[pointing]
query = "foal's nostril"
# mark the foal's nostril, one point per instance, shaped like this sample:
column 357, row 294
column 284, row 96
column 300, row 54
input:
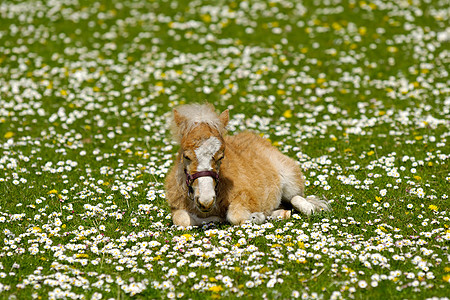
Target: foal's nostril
column 205, row 205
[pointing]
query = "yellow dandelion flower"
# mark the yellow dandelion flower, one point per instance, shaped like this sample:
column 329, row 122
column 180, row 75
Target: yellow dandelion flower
column 336, row 26
column 320, row 80
column 187, row 236
column 287, row 114
column 433, row 207
column 82, row 255
column 9, row 134
column 382, row 228
column 206, row 18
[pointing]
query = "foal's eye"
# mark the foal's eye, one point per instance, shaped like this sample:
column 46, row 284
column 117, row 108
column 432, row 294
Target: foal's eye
column 220, row 159
column 186, row 158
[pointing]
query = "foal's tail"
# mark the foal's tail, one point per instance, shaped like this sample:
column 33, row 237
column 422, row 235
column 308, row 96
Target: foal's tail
column 310, row 204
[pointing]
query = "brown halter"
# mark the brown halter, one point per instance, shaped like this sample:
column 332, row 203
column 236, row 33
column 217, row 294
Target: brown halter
column 190, row 178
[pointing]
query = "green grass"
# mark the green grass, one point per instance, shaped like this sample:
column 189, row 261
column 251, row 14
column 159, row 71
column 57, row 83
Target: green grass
column 357, row 92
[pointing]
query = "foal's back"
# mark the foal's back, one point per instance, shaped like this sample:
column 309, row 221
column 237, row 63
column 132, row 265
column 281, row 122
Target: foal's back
column 248, row 143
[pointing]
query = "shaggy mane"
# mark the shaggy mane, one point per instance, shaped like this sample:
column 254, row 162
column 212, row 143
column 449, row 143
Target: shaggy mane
column 194, row 115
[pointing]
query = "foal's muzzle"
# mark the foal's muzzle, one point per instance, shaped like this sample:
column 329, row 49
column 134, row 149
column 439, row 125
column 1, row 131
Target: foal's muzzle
column 190, row 178
column 204, row 207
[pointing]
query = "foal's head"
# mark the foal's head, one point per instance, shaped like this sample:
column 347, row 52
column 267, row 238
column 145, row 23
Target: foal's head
column 199, row 130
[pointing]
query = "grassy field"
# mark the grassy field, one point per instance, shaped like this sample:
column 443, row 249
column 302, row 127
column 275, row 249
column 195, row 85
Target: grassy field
column 356, row 91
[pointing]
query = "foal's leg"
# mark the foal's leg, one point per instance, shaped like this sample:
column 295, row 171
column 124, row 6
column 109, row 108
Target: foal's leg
column 292, row 186
column 309, row 205
column 183, row 218
column 238, row 214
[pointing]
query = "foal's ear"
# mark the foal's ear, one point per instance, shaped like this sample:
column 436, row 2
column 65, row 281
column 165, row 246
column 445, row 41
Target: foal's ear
column 178, row 118
column 225, row 117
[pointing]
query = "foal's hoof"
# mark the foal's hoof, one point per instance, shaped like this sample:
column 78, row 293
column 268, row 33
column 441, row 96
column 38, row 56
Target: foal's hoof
column 257, row 218
column 303, row 205
column 281, row 214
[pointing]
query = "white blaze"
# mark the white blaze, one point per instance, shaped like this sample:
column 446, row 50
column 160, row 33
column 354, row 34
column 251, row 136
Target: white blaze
column 205, row 155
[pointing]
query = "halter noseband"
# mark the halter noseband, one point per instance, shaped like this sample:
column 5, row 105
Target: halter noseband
column 190, row 178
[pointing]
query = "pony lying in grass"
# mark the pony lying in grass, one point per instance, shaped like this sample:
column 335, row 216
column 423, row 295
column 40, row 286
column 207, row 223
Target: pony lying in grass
column 229, row 178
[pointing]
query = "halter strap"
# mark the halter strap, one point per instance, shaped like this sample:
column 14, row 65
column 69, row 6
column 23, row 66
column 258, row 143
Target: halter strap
column 190, row 178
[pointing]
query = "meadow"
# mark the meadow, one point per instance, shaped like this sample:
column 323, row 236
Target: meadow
column 356, row 91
